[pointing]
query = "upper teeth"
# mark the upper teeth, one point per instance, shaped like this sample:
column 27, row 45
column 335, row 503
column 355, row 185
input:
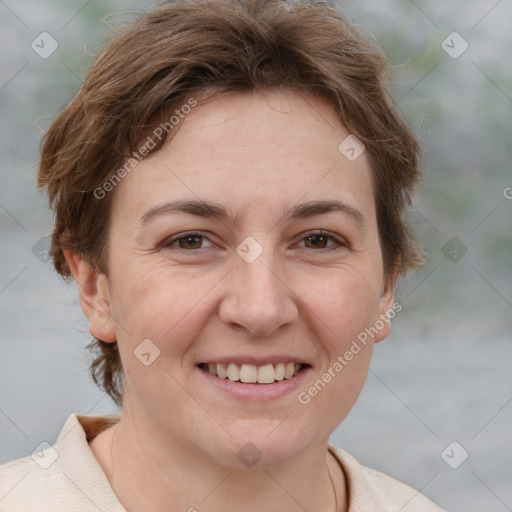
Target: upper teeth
column 266, row 374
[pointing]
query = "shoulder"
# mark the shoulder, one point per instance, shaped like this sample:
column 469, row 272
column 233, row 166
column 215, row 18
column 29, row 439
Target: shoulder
column 371, row 491
column 24, row 483
column 60, row 477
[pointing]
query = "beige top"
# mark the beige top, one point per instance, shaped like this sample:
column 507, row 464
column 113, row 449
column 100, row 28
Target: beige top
column 67, row 477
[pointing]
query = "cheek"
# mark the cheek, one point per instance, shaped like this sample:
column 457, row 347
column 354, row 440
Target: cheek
column 162, row 303
column 343, row 310
column 344, row 300
column 342, row 307
column 329, row 398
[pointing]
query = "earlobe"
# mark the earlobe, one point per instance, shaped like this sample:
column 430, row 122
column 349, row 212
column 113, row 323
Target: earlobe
column 387, row 308
column 94, row 296
column 386, row 312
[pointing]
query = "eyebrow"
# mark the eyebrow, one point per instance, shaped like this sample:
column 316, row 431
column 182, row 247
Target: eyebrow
column 212, row 210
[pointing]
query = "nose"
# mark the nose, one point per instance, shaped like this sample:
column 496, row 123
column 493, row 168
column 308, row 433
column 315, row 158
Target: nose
column 259, row 298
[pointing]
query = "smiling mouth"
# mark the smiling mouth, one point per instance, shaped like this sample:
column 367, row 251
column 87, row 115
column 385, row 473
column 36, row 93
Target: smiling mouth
column 252, row 374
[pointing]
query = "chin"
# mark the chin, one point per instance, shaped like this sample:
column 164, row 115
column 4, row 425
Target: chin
column 262, row 444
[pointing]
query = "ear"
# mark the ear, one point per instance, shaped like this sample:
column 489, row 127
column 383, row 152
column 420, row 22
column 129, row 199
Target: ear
column 94, row 296
column 387, row 307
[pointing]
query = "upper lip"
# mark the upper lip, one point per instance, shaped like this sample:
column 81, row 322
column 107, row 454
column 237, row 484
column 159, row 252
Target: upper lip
column 256, row 361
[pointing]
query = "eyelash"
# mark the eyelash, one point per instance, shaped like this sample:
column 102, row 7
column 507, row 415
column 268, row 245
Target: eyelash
column 319, row 233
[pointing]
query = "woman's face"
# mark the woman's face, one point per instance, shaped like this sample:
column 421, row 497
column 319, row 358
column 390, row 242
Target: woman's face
column 248, row 280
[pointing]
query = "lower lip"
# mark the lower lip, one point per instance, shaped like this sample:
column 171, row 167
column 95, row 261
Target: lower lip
column 256, row 392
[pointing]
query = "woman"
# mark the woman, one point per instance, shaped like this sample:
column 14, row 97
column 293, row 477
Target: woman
column 228, row 188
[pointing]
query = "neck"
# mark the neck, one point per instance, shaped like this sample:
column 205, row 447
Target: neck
column 149, row 473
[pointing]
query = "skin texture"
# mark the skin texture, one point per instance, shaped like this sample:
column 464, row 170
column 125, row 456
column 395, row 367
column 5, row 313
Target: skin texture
column 258, row 155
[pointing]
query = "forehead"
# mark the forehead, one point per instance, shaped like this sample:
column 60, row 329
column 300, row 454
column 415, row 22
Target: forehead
column 250, row 151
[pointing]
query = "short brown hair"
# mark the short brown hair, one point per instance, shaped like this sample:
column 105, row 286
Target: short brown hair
column 208, row 48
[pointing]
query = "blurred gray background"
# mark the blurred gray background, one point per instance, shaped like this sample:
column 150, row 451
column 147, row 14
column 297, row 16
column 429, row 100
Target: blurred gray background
column 443, row 376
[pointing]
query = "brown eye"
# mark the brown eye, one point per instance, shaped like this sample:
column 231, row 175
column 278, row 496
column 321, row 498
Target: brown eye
column 317, row 241
column 188, row 242
column 320, row 240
